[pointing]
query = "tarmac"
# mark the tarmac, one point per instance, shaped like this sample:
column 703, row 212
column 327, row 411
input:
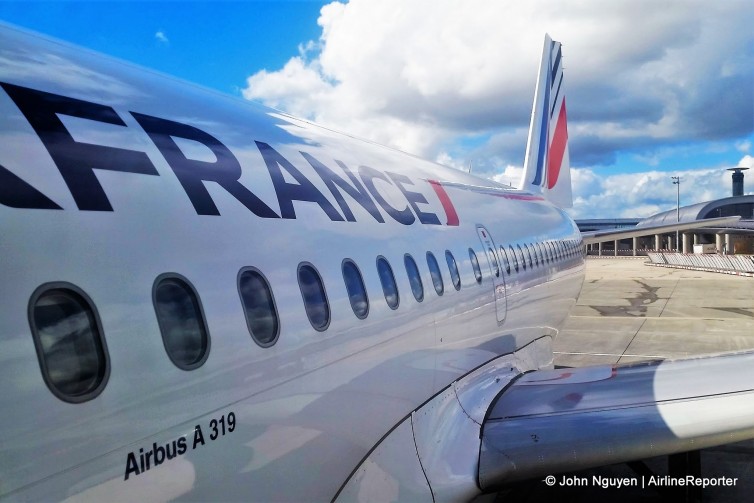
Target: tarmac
column 629, row 312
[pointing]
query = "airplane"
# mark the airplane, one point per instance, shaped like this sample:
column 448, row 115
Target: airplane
column 207, row 299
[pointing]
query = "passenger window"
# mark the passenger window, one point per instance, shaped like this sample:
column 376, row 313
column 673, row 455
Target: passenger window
column 475, row 266
column 315, row 297
column 181, row 320
column 455, row 277
column 434, row 272
column 259, row 307
column 357, row 293
column 389, row 287
column 413, row 277
column 493, row 261
column 504, row 257
column 533, row 253
column 515, row 259
column 528, row 253
column 521, row 254
column 69, row 342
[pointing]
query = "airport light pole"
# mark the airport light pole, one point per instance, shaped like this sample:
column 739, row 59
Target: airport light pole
column 677, row 183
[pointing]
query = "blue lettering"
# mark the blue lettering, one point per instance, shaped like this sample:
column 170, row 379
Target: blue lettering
column 16, row 193
column 76, row 161
column 368, row 175
column 304, row 190
column 354, row 189
column 192, row 173
column 413, row 198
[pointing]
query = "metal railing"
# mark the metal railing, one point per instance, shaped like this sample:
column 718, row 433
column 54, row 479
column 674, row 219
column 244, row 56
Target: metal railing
column 730, row 264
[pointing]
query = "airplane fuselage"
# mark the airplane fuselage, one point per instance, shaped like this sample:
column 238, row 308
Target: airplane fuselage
column 117, row 182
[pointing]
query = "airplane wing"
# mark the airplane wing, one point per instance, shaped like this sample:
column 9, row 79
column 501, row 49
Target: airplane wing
column 632, row 232
column 508, row 421
column 593, row 416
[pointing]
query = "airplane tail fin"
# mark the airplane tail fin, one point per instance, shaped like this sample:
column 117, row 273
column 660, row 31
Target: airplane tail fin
column 547, row 167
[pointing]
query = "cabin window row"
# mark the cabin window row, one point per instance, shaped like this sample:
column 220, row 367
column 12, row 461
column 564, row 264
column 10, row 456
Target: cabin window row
column 526, row 256
column 533, row 255
column 72, row 350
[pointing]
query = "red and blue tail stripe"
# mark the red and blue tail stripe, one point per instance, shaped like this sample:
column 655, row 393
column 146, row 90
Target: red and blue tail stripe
column 547, row 168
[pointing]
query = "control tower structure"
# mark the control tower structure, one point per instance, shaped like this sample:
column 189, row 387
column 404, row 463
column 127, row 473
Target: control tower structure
column 738, row 180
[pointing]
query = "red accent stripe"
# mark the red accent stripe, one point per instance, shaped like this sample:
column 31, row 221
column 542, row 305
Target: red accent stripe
column 521, row 197
column 447, row 205
column 557, row 149
column 507, row 195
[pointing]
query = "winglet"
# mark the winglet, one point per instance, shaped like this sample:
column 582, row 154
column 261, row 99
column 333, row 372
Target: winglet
column 547, row 165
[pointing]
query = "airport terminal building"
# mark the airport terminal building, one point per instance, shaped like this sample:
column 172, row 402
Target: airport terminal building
column 729, row 240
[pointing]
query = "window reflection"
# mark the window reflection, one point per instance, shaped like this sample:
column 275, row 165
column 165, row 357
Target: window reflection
column 389, row 287
column 493, row 261
column 69, row 344
column 357, row 293
column 504, row 255
column 181, row 321
column 413, row 277
column 315, row 298
column 434, row 272
column 528, row 253
column 259, row 307
column 453, row 268
column 475, row 266
column 521, row 254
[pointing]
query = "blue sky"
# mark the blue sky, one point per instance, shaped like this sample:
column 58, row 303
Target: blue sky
column 651, row 93
column 217, row 44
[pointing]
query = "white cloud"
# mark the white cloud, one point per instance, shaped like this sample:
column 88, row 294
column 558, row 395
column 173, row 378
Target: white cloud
column 161, row 37
column 420, row 75
column 510, row 176
column 644, row 194
column 466, row 65
column 746, row 161
column 446, row 159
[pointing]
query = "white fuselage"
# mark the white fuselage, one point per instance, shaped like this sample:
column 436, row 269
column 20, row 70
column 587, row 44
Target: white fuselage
column 308, row 408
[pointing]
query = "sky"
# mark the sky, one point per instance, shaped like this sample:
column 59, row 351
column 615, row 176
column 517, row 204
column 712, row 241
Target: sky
column 655, row 88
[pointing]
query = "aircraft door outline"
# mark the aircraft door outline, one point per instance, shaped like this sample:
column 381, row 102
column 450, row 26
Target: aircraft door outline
column 496, row 272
